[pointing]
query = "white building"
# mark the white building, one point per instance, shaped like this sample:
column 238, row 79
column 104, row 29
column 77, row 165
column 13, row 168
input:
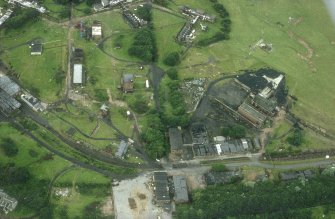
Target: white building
column 77, row 74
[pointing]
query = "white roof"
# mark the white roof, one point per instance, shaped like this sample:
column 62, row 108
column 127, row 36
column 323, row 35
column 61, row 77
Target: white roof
column 78, row 74
column 96, row 31
column 219, row 138
column 218, row 148
column 244, row 143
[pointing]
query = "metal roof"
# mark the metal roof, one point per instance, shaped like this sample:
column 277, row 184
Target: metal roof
column 161, row 187
column 7, row 85
column 77, row 73
column 180, row 189
column 122, row 149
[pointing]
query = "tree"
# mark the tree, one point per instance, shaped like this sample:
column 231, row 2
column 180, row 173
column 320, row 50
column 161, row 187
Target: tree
column 139, row 104
column 163, row 3
column 172, row 73
column 9, row 147
column 144, row 12
column 236, row 131
column 172, row 59
column 59, row 75
column 101, row 95
column 144, row 46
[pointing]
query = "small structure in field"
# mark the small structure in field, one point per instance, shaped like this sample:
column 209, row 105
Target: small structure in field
column 96, row 30
column 180, row 189
column 36, row 49
column 122, row 149
column 6, row 202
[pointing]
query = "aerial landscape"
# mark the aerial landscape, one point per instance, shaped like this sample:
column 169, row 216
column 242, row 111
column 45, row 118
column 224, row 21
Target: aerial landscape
column 167, row 109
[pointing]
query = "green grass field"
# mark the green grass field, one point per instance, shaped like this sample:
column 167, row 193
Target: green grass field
column 37, row 71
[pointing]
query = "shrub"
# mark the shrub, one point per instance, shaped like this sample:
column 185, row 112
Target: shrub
column 172, row 59
column 9, row 147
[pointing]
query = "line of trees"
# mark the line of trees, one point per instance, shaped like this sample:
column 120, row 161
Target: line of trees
column 172, row 101
column 144, row 45
column 21, row 16
column 225, row 29
column 238, row 200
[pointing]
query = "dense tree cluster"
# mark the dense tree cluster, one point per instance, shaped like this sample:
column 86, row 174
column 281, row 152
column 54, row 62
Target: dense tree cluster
column 139, row 104
column 9, row 147
column 173, row 105
column 154, row 137
column 144, row 45
column 238, row 200
column 21, row 16
column 225, row 26
column 236, row 131
column 144, row 12
column 172, row 59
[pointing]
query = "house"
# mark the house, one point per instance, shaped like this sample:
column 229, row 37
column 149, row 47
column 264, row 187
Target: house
column 133, row 20
column 180, row 189
column 161, row 188
column 8, row 89
column 77, row 74
column 33, row 102
column 127, row 83
column 185, row 33
column 122, row 149
column 36, row 49
column 6, row 15
column 176, row 140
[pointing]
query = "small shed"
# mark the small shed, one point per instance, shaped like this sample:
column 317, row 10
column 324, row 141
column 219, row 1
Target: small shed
column 36, row 49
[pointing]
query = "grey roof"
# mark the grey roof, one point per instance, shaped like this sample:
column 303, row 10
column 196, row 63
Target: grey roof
column 104, row 2
column 176, row 139
column 7, row 85
column 180, row 189
column 8, row 103
column 267, row 105
column 122, row 149
column 36, row 47
column 249, row 112
column 128, row 78
column 161, row 187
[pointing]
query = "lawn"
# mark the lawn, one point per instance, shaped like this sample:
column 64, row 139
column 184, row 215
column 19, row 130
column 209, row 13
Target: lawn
column 37, row 72
column 253, row 20
column 32, row 156
column 76, row 202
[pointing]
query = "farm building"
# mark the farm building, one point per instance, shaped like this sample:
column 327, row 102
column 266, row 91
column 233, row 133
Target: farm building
column 251, row 114
column 33, row 102
column 36, row 49
column 4, row 17
column 161, row 188
column 133, row 20
column 176, row 140
column 7, row 85
column 127, row 83
column 96, row 30
column 180, row 189
column 78, row 55
column 77, row 74
column 104, row 3
column 197, row 13
column 122, row 149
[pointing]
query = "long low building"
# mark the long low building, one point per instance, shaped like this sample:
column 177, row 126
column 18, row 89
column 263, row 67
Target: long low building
column 251, row 114
column 180, row 189
column 161, row 188
column 77, row 74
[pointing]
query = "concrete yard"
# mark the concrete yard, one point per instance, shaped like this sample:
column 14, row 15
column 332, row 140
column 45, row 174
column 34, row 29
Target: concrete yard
column 133, row 199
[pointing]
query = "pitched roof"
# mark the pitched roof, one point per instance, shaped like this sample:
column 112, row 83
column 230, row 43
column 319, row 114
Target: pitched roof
column 77, row 73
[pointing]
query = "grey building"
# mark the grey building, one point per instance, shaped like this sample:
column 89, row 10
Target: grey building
column 161, row 188
column 180, row 189
column 122, row 149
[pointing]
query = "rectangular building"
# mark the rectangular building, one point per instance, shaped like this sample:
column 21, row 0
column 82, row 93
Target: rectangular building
column 180, row 189
column 77, row 74
column 161, row 188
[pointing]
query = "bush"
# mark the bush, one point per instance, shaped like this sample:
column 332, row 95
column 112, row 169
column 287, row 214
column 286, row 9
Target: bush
column 237, row 131
column 172, row 73
column 163, row 3
column 139, row 104
column 172, row 59
column 101, row 95
column 9, row 147
column 218, row 167
column 144, row 12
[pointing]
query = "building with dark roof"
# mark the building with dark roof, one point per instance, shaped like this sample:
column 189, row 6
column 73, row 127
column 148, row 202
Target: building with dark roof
column 8, row 89
column 36, row 49
column 127, row 83
column 161, row 188
column 267, row 106
column 180, row 189
column 176, row 140
column 133, row 20
column 251, row 114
